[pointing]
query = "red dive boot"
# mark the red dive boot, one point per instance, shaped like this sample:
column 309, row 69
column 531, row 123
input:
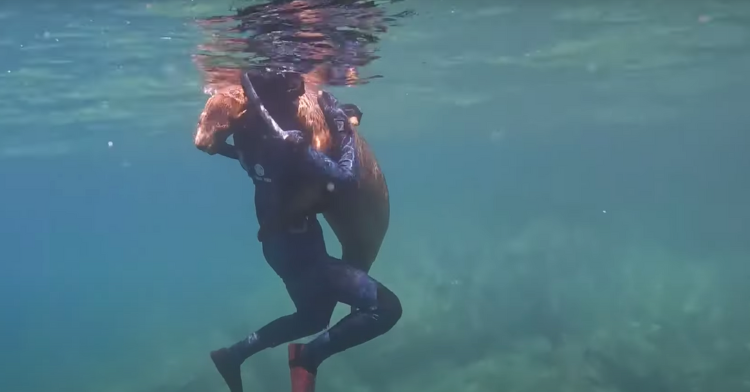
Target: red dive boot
column 302, row 379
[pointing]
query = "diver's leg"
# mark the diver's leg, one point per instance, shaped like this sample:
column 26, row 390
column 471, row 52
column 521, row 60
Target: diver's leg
column 360, row 256
column 314, row 311
column 377, row 311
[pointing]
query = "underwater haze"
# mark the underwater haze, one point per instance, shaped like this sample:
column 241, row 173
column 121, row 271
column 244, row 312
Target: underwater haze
column 569, row 186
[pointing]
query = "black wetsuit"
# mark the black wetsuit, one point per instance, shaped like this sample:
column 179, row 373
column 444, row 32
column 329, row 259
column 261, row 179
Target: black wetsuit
column 296, row 250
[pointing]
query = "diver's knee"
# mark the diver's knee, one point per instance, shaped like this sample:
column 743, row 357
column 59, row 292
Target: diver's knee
column 389, row 309
column 395, row 311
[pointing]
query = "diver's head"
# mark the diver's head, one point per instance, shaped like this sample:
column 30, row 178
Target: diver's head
column 278, row 90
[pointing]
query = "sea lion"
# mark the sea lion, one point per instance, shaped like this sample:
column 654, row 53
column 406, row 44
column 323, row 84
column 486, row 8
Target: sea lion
column 358, row 218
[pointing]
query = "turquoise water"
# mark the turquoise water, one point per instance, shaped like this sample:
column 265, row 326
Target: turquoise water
column 569, row 187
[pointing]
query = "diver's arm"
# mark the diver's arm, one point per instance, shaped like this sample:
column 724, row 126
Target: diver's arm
column 345, row 170
column 341, row 172
column 227, row 150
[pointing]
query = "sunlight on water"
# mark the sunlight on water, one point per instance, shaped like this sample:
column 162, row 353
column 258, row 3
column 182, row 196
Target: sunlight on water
column 569, row 201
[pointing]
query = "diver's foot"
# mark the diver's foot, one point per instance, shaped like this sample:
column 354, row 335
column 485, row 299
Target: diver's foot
column 303, row 380
column 229, row 368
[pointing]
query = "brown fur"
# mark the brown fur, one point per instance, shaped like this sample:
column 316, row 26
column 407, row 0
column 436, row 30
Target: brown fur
column 359, row 221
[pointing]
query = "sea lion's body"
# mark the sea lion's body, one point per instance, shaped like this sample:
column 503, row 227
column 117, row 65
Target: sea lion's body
column 359, row 218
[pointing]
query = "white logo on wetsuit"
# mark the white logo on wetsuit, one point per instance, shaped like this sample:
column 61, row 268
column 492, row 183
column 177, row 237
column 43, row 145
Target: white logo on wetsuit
column 259, row 173
column 259, row 170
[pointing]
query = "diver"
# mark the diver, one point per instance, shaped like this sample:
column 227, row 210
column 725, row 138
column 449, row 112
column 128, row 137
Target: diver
column 280, row 164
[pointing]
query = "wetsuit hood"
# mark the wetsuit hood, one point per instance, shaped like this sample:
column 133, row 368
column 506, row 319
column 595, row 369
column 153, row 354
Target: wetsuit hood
column 277, row 87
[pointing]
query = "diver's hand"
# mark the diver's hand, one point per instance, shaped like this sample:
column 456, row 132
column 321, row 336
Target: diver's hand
column 352, row 111
column 294, row 142
column 294, row 137
column 227, row 150
column 221, row 148
column 337, row 119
